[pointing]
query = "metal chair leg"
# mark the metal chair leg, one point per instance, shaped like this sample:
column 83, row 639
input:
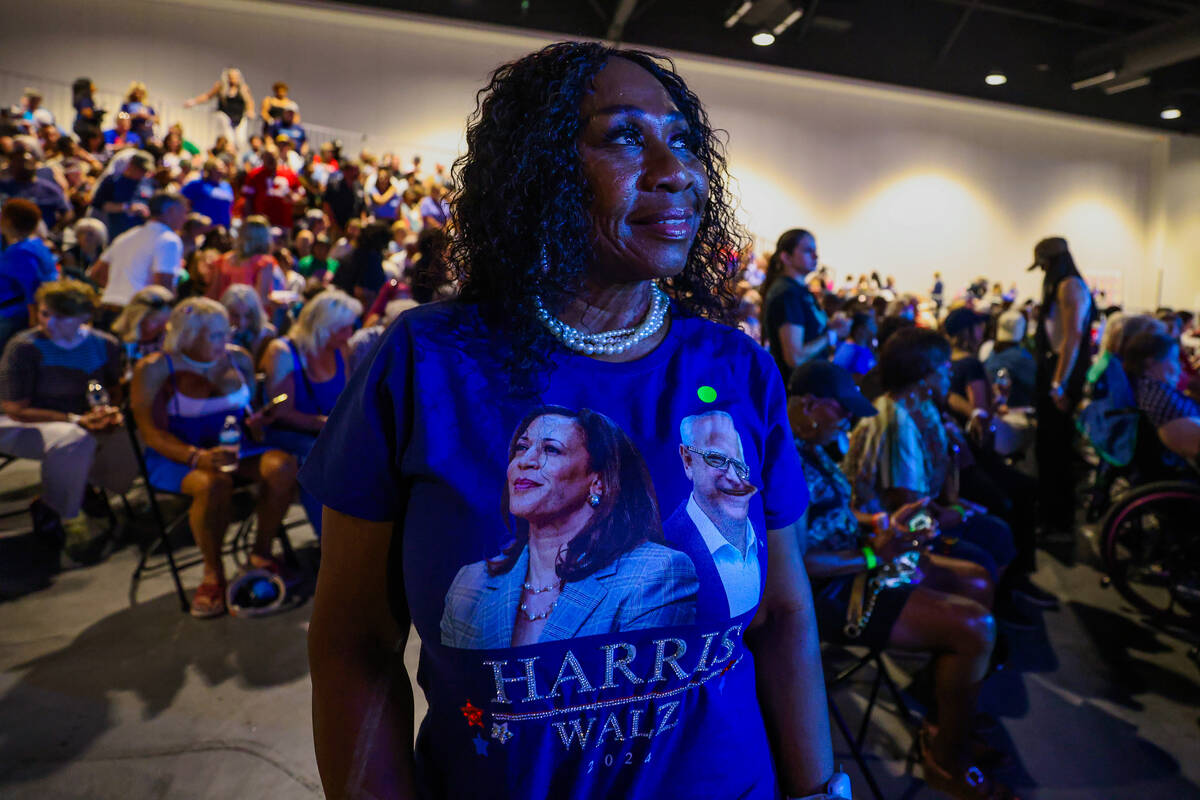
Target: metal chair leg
column 855, row 750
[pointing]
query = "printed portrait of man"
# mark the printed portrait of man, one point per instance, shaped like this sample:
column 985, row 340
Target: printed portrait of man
column 713, row 524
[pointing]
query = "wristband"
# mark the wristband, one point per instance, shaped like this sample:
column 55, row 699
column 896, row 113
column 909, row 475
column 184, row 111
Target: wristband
column 872, row 559
column 74, row 418
column 880, row 522
column 959, row 508
column 193, row 458
column 979, row 412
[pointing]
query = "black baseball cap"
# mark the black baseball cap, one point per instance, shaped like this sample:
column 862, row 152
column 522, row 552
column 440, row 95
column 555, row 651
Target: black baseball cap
column 1047, row 249
column 962, row 319
column 823, row 379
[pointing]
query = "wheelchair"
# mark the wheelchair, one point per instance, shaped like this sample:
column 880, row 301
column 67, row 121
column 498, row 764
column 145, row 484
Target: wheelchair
column 1150, row 535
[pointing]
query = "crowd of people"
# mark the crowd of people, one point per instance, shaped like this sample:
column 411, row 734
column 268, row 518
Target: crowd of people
column 146, row 281
column 143, row 275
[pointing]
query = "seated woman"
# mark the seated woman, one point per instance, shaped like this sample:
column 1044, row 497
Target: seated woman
column 1151, row 358
column 587, row 555
column 309, row 366
column 946, row 613
column 181, row 399
column 907, row 451
column 250, row 262
column 46, row 376
column 141, row 325
column 248, row 319
column 91, row 237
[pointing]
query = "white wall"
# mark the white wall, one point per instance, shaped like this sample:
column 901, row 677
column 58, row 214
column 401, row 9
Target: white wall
column 892, row 180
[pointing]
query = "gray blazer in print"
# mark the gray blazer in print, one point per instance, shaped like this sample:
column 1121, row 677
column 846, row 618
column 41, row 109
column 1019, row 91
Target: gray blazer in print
column 651, row 586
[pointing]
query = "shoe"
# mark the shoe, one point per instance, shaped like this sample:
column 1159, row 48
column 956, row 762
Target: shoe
column 209, row 600
column 1030, row 592
column 82, row 548
column 970, row 784
column 1010, row 615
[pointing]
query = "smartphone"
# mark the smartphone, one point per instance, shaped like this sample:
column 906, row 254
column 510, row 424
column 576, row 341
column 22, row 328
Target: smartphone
column 271, row 404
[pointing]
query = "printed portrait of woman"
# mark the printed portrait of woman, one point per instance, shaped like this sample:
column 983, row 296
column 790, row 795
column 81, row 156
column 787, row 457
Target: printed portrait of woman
column 587, row 555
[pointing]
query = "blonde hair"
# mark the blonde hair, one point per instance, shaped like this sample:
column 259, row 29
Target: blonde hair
column 320, row 317
column 254, row 237
column 245, row 296
column 136, row 86
column 127, row 326
column 190, row 318
column 95, row 226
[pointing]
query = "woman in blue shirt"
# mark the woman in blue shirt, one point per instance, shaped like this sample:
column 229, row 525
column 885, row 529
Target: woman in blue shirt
column 309, row 366
column 589, row 224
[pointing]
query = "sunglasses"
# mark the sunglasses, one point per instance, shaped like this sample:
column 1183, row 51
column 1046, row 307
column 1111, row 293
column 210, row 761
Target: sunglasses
column 719, row 461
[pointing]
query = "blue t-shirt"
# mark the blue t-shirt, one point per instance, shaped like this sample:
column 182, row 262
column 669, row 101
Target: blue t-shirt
column 293, row 132
column 24, row 266
column 640, row 684
column 214, row 201
column 120, row 189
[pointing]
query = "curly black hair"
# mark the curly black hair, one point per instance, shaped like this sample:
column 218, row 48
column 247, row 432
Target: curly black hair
column 522, row 192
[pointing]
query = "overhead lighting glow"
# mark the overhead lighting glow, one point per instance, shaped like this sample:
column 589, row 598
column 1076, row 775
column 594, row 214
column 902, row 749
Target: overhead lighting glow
column 996, row 79
column 1095, row 80
column 1171, row 112
column 763, row 38
column 1125, row 86
column 788, row 21
column 737, row 15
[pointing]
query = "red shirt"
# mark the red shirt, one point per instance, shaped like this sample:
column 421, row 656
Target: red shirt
column 270, row 194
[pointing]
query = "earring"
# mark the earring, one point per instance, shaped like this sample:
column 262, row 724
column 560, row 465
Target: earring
column 812, row 424
column 545, row 260
column 593, row 500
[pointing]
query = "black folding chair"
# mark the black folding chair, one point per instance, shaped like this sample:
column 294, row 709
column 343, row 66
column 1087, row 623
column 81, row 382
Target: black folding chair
column 882, row 676
column 237, row 545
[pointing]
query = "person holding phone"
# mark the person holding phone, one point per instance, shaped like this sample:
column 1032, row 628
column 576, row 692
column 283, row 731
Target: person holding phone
column 181, row 398
column 945, row 613
column 308, row 367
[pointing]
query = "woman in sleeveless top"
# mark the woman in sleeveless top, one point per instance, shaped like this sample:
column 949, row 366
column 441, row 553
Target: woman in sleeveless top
column 309, row 365
column 181, row 399
column 235, row 107
column 250, row 262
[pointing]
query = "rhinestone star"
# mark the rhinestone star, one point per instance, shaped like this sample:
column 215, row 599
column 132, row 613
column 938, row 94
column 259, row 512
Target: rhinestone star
column 501, row 733
column 474, row 715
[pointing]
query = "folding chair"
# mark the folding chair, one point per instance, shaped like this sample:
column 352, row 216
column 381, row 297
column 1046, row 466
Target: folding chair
column 882, row 676
column 5, row 460
column 165, row 528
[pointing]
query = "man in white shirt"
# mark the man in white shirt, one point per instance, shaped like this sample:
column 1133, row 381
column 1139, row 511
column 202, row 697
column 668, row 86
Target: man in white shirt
column 148, row 254
column 713, row 525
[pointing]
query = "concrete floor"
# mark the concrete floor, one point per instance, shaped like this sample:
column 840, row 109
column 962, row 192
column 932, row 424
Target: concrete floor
column 103, row 699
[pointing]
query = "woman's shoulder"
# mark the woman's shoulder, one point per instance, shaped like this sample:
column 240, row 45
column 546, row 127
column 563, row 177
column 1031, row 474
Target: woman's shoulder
column 731, row 341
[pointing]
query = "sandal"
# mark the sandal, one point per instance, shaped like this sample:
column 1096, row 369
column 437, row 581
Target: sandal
column 982, row 753
column 971, row 784
column 273, row 566
column 209, row 600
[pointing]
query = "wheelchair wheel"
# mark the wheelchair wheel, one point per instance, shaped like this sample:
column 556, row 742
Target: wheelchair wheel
column 1151, row 541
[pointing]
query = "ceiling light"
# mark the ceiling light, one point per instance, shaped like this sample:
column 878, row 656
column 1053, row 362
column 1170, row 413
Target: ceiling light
column 1095, row 80
column 788, row 21
column 1125, row 86
column 740, row 12
column 996, row 78
column 763, row 38
column 1171, row 112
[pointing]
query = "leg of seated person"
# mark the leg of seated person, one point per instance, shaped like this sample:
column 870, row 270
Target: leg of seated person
column 211, row 494
column 958, row 576
column 989, row 533
column 66, row 452
column 961, row 634
column 275, row 471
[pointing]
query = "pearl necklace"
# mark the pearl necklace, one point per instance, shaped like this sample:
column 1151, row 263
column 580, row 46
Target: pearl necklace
column 534, row 590
column 607, row 342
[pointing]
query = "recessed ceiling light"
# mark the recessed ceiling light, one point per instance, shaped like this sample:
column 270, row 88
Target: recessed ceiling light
column 1171, row 112
column 763, row 38
column 996, row 78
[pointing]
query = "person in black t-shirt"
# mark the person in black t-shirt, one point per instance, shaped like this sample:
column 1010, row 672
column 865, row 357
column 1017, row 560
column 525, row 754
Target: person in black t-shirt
column 344, row 197
column 361, row 274
column 795, row 324
column 970, row 398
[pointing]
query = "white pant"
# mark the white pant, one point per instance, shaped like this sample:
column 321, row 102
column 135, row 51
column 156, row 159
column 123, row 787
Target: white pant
column 71, row 458
column 239, row 135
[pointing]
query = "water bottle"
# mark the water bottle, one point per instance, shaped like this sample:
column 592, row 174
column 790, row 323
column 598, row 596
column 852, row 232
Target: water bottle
column 231, row 440
column 97, row 395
